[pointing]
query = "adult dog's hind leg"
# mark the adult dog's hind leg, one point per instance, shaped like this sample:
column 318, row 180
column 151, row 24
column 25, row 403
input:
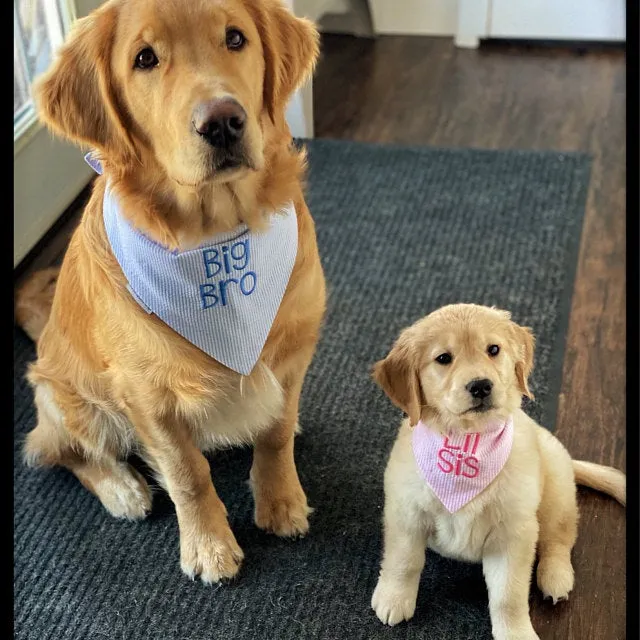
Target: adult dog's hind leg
column 69, row 439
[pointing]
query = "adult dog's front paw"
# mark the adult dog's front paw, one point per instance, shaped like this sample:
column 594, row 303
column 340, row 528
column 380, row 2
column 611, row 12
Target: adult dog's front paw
column 393, row 603
column 212, row 557
column 284, row 513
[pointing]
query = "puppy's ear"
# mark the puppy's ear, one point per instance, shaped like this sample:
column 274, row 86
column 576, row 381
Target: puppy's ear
column 291, row 48
column 397, row 375
column 525, row 344
column 76, row 97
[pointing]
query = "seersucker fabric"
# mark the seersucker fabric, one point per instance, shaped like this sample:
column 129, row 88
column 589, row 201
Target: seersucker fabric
column 460, row 465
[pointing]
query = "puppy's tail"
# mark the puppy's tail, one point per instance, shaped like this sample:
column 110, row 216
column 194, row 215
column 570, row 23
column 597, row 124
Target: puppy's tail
column 33, row 301
column 601, row 478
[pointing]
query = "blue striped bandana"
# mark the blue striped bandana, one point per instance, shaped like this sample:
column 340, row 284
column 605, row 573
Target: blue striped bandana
column 223, row 296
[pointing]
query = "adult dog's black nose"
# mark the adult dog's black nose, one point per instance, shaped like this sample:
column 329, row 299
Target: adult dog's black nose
column 220, row 122
column 480, row 388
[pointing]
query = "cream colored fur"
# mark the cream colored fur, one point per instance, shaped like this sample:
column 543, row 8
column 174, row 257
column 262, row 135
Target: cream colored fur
column 530, row 504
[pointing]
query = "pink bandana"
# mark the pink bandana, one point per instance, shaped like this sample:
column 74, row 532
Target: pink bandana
column 459, row 466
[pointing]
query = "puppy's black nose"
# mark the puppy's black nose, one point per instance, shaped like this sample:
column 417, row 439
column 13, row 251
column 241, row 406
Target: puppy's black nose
column 480, row 388
column 220, row 122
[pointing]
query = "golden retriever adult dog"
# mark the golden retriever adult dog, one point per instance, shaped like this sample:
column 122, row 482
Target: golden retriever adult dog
column 470, row 475
column 183, row 103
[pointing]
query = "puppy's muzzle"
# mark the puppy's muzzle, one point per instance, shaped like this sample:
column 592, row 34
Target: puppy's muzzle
column 221, row 122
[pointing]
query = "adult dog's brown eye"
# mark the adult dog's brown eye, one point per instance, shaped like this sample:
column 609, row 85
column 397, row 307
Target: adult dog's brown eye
column 444, row 358
column 146, row 59
column 493, row 350
column 235, row 39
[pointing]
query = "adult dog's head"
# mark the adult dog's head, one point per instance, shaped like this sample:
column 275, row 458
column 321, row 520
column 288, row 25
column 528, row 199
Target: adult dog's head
column 191, row 88
column 461, row 367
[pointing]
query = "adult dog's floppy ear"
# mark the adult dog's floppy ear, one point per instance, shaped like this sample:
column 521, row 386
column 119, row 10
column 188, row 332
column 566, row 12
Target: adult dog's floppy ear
column 397, row 374
column 525, row 344
column 76, row 97
column 291, row 48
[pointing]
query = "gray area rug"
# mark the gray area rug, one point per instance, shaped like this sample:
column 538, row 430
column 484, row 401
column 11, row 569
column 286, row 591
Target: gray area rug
column 401, row 232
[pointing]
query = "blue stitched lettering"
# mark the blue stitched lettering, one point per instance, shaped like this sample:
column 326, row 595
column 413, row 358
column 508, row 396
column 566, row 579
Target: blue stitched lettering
column 225, row 257
column 223, row 290
column 240, row 251
column 208, row 291
column 243, row 286
column 211, row 259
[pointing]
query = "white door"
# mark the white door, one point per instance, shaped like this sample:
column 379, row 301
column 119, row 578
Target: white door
column 48, row 174
column 577, row 20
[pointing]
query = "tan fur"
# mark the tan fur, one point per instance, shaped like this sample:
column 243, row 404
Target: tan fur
column 33, row 301
column 532, row 501
column 111, row 379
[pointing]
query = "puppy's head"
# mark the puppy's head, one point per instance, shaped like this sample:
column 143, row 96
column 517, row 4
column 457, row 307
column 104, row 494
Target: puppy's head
column 461, row 367
column 190, row 85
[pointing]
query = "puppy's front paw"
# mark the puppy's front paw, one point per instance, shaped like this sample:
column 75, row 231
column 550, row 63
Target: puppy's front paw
column 555, row 577
column 285, row 514
column 525, row 634
column 515, row 631
column 210, row 556
column 393, row 603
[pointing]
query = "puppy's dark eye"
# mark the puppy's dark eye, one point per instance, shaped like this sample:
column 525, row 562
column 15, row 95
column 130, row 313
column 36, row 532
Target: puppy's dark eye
column 493, row 350
column 235, row 39
column 444, row 358
column 146, row 59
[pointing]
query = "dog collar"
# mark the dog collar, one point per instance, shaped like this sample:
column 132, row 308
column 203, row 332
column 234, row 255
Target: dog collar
column 459, row 466
column 223, row 296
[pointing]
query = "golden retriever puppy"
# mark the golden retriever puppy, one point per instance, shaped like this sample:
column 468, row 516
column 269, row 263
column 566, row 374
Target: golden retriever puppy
column 190, row 299
column 470, row 475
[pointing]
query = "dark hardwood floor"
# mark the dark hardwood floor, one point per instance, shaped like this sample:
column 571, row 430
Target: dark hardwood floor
column 425, row 91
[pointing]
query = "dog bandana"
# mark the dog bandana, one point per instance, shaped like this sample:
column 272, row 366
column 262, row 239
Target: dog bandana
column 223, row 296
column 459, row 466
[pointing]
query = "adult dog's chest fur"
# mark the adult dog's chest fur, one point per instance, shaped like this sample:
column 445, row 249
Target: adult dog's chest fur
column 219, row 406
column 248, row 406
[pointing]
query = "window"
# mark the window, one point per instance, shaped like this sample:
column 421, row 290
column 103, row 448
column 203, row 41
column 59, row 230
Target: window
column 48, row 173
column 38, row 27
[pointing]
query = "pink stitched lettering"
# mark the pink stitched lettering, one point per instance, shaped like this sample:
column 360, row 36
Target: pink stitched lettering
column 441, row 456
column 472, row 463
column 461, row 463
